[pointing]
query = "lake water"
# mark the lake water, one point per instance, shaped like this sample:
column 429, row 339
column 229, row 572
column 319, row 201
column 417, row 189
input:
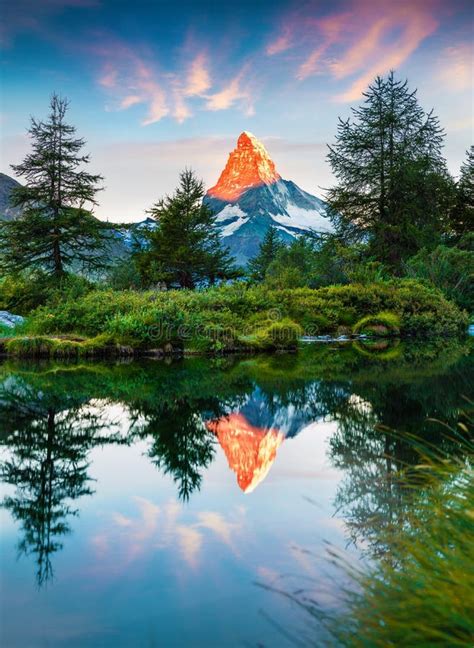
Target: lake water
column 154, row 504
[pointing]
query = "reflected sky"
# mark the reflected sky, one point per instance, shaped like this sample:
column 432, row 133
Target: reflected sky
column 139, row 557
column 166, row 500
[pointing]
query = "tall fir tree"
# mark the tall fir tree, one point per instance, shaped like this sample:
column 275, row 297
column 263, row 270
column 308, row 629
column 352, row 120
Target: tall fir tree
column 393, row 189
column 184, row 249
column 54, row 231
column 267, row 253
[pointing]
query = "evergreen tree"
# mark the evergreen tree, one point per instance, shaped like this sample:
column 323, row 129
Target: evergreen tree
column 54, row 231
column 267, row 253
column 184, row 249
column 462, row 215
column 393, row 187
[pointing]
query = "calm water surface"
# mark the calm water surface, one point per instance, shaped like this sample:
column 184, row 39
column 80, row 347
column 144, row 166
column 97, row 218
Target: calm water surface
column 152, row 504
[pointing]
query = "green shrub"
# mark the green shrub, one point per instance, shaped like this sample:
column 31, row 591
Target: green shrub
column 449, row 269
column 45, row 347
column 5, row 331
column 281, row 335
column 384, row 323
column 25, row 292
column 222, row 318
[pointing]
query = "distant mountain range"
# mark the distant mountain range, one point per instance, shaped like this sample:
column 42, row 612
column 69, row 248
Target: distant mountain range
column 249, row 197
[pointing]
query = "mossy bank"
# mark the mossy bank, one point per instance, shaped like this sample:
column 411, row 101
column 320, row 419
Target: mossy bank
column 234, row 318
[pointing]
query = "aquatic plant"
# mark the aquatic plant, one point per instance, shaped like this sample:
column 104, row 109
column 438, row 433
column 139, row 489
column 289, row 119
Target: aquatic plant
column 421, row 593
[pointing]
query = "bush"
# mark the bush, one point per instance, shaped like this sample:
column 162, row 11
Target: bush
column 384, row 323
column 228, row 316
column 5, row 331
column 45, row 347
column 278, row 335
column 25, row 292
column 448, row 268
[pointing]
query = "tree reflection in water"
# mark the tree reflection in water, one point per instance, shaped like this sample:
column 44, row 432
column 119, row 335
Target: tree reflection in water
column 48, row 437
column 51, row 418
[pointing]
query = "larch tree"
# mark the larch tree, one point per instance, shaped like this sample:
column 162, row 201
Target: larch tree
column 55, row 232
column 393, row 190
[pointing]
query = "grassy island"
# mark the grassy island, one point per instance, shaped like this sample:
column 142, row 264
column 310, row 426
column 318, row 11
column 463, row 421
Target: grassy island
column 226, row 319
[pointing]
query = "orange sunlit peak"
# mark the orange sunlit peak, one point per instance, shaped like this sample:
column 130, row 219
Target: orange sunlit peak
column 248, row 166
column 250, row 450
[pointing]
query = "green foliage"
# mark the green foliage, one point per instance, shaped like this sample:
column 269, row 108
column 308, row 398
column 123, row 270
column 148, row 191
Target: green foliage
column 23, row 292
column 393, row 186
column 5, row 331
column 422, row 595
column 46, row 347
column 124, row 275
column 293, row 266
column 54, row 232
column 449, row 269
column 384, row 323
column 184, row 250
column 315, row 261
column 240, row 316
column 281, row 335
column 268, row 250
column 461, row 220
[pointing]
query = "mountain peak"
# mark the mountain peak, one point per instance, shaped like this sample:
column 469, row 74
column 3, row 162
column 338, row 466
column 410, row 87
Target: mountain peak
column 248, row 166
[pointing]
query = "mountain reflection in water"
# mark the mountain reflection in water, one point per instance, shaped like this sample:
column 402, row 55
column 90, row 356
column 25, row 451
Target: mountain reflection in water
column 185, row 416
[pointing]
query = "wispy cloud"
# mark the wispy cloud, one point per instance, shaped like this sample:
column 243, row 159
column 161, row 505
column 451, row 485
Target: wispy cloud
column 363, row 40
column 456, row 67
column 281, row 43
column 198, row 78
column 131, row 79
column 233, row 93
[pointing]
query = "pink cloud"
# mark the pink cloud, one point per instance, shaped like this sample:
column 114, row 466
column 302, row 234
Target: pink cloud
column 181, row 111
column 330, row 30
column 130, row 100
column 132, row 81
column 232, row 93
column 456, row 67
column 419, row 27
column 280, row 44
column 198, row 80
column 366, row 40
column 108, row 79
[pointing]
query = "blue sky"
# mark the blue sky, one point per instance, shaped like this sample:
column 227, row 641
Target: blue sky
column 155, row 86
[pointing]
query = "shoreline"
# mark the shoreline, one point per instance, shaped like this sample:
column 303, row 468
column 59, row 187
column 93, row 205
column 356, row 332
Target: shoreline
column 67, row 347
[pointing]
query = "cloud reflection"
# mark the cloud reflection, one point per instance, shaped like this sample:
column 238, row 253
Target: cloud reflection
column 153, row 528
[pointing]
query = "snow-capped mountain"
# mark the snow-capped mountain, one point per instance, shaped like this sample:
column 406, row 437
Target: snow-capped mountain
column 250, row 196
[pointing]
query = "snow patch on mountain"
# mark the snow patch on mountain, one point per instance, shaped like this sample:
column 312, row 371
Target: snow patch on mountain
column 303, row 219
